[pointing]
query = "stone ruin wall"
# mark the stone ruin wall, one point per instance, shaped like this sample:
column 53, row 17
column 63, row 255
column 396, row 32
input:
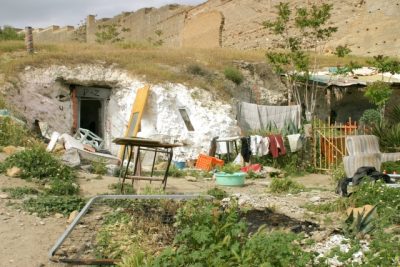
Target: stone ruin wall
column 140, row 26
column 369, row 27
column 55, row 34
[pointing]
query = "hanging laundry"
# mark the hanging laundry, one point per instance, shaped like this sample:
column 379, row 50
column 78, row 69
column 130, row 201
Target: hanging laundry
column 259, row 145
column 276, row 145
column 257, row 117
column 245, row 148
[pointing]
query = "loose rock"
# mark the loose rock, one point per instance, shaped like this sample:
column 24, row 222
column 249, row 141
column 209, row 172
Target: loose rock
column 9, row 150
column 72, row 216
column 4, row 196
column 14, row 172
column 191, row 179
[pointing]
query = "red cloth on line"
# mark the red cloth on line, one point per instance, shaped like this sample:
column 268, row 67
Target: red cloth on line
column 282, row 148
column 276, row 146
column 273, row 146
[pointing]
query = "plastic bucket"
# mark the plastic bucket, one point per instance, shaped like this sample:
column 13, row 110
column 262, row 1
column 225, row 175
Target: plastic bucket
column 230, row 179
column 180, row 164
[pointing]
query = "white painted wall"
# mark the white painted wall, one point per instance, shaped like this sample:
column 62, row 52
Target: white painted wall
column 210, row 117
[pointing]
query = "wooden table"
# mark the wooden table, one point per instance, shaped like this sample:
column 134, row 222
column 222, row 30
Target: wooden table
column 133, row 145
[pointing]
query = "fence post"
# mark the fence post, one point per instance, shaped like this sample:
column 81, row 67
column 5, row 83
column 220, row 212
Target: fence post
column 29, row 39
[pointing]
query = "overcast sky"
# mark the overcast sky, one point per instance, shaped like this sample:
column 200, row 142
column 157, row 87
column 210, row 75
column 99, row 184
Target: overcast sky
column 42, row 13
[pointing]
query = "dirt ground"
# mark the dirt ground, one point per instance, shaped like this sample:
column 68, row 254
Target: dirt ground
column 25, row 239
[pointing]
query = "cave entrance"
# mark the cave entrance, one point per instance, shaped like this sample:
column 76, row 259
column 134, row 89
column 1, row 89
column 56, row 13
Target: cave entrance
column 91, row 115
column 92, row 108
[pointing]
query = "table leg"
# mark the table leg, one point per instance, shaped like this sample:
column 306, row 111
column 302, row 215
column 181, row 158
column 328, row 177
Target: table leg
column 170, row 152
column 236, row 148
column 126, row 170
column 228, row 152
column 136, row 166
column 122, row 165
column 154, row 162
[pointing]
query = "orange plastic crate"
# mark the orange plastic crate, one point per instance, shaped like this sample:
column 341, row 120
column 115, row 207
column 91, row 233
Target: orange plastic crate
column 206, row 163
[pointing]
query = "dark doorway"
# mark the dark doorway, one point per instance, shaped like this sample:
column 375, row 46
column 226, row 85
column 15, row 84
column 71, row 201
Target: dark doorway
column 91, row 116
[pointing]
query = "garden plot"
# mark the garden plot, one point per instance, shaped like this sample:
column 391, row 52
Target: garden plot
column 112, row 229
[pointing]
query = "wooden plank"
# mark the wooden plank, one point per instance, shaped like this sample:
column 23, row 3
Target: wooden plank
column 136, row 114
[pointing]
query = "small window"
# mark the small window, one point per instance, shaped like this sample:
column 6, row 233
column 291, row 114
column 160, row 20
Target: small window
column 186, row 119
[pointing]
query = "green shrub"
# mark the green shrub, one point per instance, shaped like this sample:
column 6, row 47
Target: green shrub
column 12, row 133
column 371, row 117
column 391, row 166
column 9, row 33
column 20, row 192
column 45, row 205
column 394, row 114
column 210, row 236
column 285, row 185
column 37, row 163
column 386, row 199
column 234, row 75
column 389, row 136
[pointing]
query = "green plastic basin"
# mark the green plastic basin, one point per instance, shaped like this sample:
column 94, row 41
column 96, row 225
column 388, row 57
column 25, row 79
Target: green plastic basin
column 230, row 179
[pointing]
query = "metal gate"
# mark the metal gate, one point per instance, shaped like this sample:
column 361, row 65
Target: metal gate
column 329, row 143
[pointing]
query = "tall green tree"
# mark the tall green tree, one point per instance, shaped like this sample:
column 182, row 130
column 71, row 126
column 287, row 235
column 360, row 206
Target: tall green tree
column 301, row 35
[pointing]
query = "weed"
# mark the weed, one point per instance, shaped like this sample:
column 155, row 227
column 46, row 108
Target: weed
column 254, row 175
column 20, row 192
column 217, row 193
column 285, row 185
column 199, row 173
column 128, row 189
column 229, row 168
column 12, row 133
column 148, row 190
column 99, row 167
column 62, row 188
column 234, row 75
column 335, row 206
column 175, row 172
column 338, row 173
column 196, row 69
column 45, row 205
